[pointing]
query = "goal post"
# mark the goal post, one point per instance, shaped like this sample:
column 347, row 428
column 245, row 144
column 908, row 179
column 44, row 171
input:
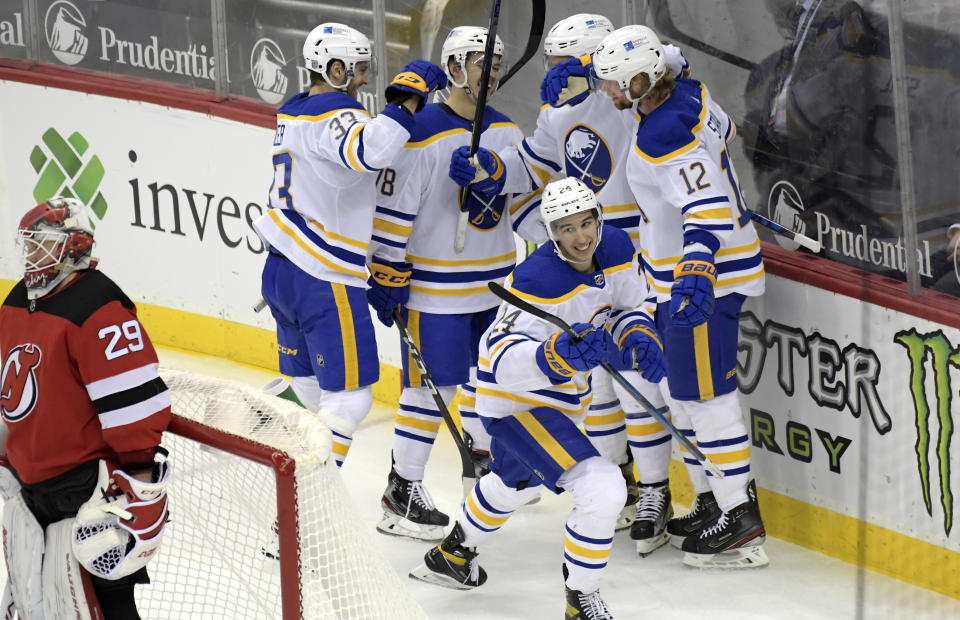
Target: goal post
column 261, row 523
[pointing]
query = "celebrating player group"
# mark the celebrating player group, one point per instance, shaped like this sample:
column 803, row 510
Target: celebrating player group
column 617, row 333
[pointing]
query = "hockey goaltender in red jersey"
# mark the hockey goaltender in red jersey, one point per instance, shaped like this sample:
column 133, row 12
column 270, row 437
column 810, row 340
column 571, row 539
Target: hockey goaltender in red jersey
column 83, row 412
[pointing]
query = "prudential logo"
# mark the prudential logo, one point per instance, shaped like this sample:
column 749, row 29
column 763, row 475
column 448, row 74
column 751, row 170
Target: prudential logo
column 266, row 70
column 65, row 25
column 66, row 168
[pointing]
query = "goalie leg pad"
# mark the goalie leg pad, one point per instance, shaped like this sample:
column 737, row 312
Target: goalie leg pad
column 66, row 593
column 23, row 550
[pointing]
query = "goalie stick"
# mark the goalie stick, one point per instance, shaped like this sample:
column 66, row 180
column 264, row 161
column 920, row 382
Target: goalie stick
column 481, row 108
column 811, row 244
column 469, row 477
column 512, row 299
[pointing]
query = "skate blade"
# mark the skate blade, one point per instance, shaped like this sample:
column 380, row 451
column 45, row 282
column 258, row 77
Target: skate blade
column 742, row 557
column 649, row 545
column 395, row 525
column 422, row 573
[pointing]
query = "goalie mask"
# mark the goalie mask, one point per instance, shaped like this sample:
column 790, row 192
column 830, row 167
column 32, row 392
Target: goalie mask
column 563, row 198
column 55, row 238
column 333, row 41
column 627, row 52
column 575, row 36
column 459, row 43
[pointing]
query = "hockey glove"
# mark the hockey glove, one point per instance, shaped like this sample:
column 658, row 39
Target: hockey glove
column 558, row 78
column 691, row 296
column 561, row 356
column 417, row 78
column 118, row 530
column 676, row 61
column 640, row 348
column 484, row 171
column 389, row 287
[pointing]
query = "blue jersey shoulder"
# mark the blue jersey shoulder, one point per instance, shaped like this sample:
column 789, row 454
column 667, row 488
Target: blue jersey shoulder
column 304, row 104
column 436, row 118
column 672, row 125
column 545, row 275
column 615, row 248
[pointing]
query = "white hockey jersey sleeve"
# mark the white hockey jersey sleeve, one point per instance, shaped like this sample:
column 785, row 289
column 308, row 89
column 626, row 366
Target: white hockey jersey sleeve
column 362, row 143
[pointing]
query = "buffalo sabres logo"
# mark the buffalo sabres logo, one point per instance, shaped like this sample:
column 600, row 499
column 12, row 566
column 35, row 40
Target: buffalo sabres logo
column 18, row 382
column 485, row 211
column 588, row 157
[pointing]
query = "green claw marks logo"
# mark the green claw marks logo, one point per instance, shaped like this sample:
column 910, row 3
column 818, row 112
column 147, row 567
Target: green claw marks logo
column 935, row 347
column 63, row 171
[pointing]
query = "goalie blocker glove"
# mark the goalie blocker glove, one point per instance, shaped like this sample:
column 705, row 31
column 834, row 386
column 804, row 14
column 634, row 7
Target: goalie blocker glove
column 119, row 529
column 484, row 170
column 691, row 296
column 561, row 356
column 419, row 78
column 389, row 287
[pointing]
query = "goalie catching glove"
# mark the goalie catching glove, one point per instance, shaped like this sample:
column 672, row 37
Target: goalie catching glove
column 118, row 530
column 419, row 77
column 484, row 170
column 691, row 296
column 561, row 356
column 389, row 287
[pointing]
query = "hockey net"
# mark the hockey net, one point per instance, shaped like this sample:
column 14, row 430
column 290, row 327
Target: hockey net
column 261, row 524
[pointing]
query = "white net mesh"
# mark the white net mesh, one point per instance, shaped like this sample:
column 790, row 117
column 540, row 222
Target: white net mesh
column 221, row 553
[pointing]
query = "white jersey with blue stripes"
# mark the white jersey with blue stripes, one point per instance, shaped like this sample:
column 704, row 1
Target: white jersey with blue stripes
column 589, row 140
column 418, row 213
column 327, row 153
column 509, row 379
column 681, row 172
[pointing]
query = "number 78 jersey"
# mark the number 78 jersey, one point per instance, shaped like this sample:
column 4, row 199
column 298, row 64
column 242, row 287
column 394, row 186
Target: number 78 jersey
column 681, row 175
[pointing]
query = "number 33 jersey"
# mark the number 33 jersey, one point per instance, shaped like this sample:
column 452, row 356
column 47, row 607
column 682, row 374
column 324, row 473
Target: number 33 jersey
column 79, row 379
column 681, row 174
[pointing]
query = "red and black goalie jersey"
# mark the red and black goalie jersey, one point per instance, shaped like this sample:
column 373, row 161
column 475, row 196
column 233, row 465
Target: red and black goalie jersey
column 79, row 379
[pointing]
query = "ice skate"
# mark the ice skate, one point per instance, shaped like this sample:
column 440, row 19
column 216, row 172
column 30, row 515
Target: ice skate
column 734, row 541
column 582, row 606
column 451, row 565
column 629, row 512
column 703, row 513
column 409, row 511
column 654, row 510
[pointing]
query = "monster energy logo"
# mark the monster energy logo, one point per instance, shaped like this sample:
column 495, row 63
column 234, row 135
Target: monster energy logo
column 63, row 171
column 942, row 356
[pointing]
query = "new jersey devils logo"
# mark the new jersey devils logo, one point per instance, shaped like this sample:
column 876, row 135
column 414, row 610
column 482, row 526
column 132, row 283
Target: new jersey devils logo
column 18, row 393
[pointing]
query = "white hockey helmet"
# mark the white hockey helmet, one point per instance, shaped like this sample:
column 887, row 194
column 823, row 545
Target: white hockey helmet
column 565, row 197
column 576, row 35
column 627, row 52
column 461, row 41
column 55, row 238
column 333, row 41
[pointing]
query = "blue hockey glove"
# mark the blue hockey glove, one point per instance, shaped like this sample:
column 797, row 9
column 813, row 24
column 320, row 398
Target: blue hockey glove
column 417, row 78
column 557, row 78
column 691, row 296
column 488, row 178
column 561, row 357
column 640, row 348
column 389, row 287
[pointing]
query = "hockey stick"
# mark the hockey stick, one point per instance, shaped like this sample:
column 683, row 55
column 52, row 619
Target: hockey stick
column 537, row 23
column 481, row 108
column 469, row 477
column 665, row 27
column 512, row 299
column 811, row 244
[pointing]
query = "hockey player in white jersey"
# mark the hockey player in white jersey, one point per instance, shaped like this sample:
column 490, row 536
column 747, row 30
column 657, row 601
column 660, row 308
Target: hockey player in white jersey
column 702, row 257
column 534, row 387
column 327, row 153
column 588, row 136
column 443, row 293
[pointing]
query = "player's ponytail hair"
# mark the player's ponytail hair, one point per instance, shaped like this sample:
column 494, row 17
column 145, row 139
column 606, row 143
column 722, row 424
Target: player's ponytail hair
column 661, row 90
